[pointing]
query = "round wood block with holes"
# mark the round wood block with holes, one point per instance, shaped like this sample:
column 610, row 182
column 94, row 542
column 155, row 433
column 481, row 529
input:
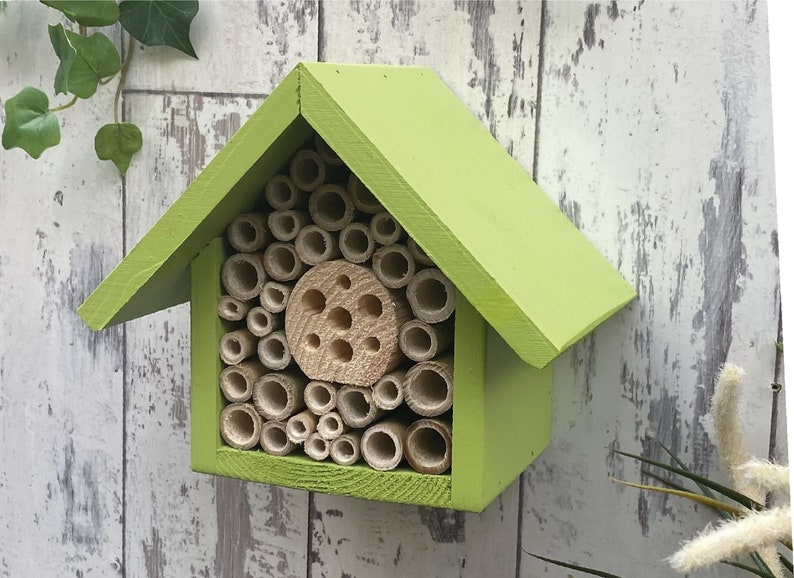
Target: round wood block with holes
column 342, row 324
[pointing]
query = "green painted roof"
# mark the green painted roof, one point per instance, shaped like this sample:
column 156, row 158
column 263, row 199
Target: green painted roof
column 507, row 247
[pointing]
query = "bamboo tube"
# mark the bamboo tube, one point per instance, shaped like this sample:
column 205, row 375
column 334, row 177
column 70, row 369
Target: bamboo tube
column 331, row 426
column 346, row 449
column 326, row 153
column 331, row 208
column 356, row 407
column 420, row 341
column 236, row 346
column 342, row 324
column 315, row 245
column 362, row 197
column 279, row 395
column 316, row 447
column 428, row 387
column 320, row 396
column 237, row 381
column 274, row 296
column 431, row 295
column 274, row 439
column 428, row 446
column 356, row 243
column 240, row 425
column 273, row 350
column 307, row 170
column 385, row 228
column 282, row 194
column 394, row 266
column 382, row 444
column 232, row 309
column 419, row 254
column 282, row 263
column 387, row 393
column 243, row 275
column 285, row 225
column 247, row 232
column 260, row 321
column 301, row 425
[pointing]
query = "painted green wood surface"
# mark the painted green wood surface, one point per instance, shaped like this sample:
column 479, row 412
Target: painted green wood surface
column 489, row 227
column 507, row 247
column 155, row 273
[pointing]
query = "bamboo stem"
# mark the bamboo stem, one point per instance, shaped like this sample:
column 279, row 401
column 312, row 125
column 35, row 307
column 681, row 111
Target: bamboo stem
column 419, row 254
column 385, row 228
column 285, row 225
column 356, row 407
column 316, row 245
column 282, row 263
column 247, row 232
column 260, row 321
column 331, row 208
column 356, row 243
column 394, row 266
column 346, row 449
column 282, row 194
column 428, row 446
column 274, row 296
column 274, row 439
column 236, row 346
column 301, row 425
column 331, row 426
column 320, row 396
column 428, row 387
column 387, row 393
column 232, row 309
column 431, row 295
column 273, row 350
column 277, row 396
column 382, row 444
column 237, row 381
column 362, row 197
column 316, row 447
column 240, row 425
column 420, row 341
column 243, row 275
column 307, row 170
column 326, row 153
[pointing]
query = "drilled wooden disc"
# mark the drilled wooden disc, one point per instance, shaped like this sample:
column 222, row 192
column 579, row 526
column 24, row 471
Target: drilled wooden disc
column 342, row 324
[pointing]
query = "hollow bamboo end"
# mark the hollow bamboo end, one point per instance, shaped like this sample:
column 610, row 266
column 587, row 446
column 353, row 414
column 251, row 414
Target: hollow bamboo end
column 320, row 396
column 282, row 263
column 356, row 243
column 387, row 393
column 300, row 426
column 260, row 321
column 420, row 341
column 326, row 153
column 428, row 387
column 285, row 225
column 431, row 296
column 275, row 295
column 240, row 426
column 428, row 446
column 232, row 309
column 279, row 395
column 274, row 439
column 330, row 425
column 247, row 232
column 362, row 197
column 356, row 406
column 382, row 444
column 282, row 194
column 307, row 170
column 419, row 254
column 243, row 275
column 316, row 447
column 237, row 381
column 394, row 266
column 385, row 228
column 316, row 245
column 346, row 449
column 331, row 208
column 236, row 346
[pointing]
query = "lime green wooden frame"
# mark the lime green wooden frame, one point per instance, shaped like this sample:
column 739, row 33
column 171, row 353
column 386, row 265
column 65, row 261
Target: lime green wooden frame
column 502, row 416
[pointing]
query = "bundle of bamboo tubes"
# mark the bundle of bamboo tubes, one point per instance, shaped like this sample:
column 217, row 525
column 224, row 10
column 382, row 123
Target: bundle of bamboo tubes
column 342, row 327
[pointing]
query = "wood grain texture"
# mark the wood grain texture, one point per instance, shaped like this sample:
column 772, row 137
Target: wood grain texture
column 487, row 53
column 190, row 521
column 61, row 415
column 655, row 138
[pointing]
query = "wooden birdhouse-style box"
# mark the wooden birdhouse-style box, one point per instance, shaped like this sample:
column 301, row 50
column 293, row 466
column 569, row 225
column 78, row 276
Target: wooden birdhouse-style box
column 527, row 283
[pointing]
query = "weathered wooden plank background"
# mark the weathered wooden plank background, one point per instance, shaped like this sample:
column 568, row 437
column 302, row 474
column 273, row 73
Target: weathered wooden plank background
column 650, row 125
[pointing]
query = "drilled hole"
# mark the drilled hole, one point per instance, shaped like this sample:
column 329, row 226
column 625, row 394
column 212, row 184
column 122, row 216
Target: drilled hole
column 313, row 340
column 341, row 351
column 371, row 345
column 344, row 282
column 370, row 306
column 313, row 301
column 339, row 318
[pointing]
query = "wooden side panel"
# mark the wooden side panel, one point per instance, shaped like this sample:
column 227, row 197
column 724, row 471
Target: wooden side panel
column 61, row 415
column 179, row 522
column 655, row 137
column 487, row 52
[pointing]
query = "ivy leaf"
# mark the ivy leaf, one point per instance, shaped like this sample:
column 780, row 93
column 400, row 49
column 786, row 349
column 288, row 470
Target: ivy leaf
column 118, row 143
column 85, row 60
column 160, row 22
column 29, row 123
column 87, row 12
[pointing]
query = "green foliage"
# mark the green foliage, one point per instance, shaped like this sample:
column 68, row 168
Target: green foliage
column 86, row 62
column 160, row 22
column 87, row 12
column 117, row 143
column 29, row 123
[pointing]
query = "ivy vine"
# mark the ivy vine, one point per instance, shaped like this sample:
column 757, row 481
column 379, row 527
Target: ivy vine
column 89, row 61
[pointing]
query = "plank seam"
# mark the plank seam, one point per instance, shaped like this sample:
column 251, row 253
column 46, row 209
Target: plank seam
column 205, row 94
column 124, row 357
